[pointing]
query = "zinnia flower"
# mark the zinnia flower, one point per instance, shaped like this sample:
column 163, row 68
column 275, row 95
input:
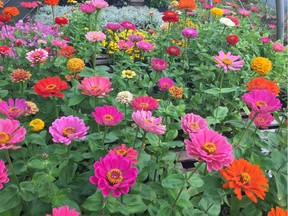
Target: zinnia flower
column 10, row 11
column 114, row 173
column 87, row 8
column 176, row 91
column 14, row 109
column 165, row 83
column 262, row 120
column 128, row 74
column 170, row 16
column 146, row 103
column 129, row 153
column 262, row 101
column 95, row 86
column 113, row 26
column 272, row 26
column 173, row 50
column 227, row 22
column 75, row 65
column 228, row 61
column 244, row 12
column 20, row 75
column 189, row 33
column 125, row 44
column 128, row 25
column 33, row 109
column 10, row 134
column 29, row 5
column 50, row 87
column 244, row 176
column 278, row 47
column 37, row 124
column 37, row 56
column 59, row 43
column 5, row 18
column 67, row 129
column 4, row 50
column 216, row 12
column 124, row 97
column 234, row 19
column 144, row 45
column 277, row 211
column 51, row 2
column 159, row 64
column 67, row 51
column 232, row 39
column 187, row 5
column 61, row 21
column 265, row 39
column 261, row 65
column 262, row 83
column 135, row 37
column 147, row 122
column 208, row 7
column 107, row 115
column 3, row 174
column 94, row 36
column 192, row 123
column 64, row 211
column 99, row 4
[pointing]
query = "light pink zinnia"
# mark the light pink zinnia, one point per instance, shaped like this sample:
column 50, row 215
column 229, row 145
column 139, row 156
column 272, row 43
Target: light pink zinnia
column 189, row 33
column 159, row 64
column 99, row 4
column 262, row 101
column 14, row 109
column 107, row 115
column 94, row 36
column 265, row 39
column 95, row 86
column 147, row 122
column 113, row 26
column 144, row 45
column 87, row 8
column 10, row 134
column 135, row 38
column 37, row 56
column 59, row 43
column 272, row 26
column 165, row 83
column 64, row 211
column 125, row 44
column 29, row 5
column 146, row 103
column 192, row 123
column 129, row 153
column 3, row 173
column 114, row 173
column 262, row 120
column 228, row 61
column 128, row 25
column 210, row 147
column 244, row 12
column 68, row 128
column 278, row 47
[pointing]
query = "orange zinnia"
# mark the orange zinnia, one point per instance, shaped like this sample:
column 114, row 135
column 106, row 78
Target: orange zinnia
column 51, row 2
column 10, row 11
column 67, row 51
column 260, row 83
column 242, row 175
column 278, row 212
column 187, row 5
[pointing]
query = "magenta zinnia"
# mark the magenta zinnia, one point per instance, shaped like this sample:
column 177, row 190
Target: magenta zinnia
column 128, row 25
column 95, row 86
column 14, row 109
column 262, row 120
column 192, row 123
column 129, row 153
column 10, row 134
column 107, row 115
column 63, row 211
column 115, row 174
column 144, row 45
column 189, row 33
column 210, row 147
column 37, row 56
column 165, row 83
column 228, row 61
column 87, row 8
column 159, row 64
column 68, row 128
column 3, row 174
column 125, row 44
column 146, row 103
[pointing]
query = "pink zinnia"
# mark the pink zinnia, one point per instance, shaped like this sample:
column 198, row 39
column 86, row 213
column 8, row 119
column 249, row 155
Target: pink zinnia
column 14, row 109
column 114, row 173
column 99, row 4
column 192, row 123
column 87, row 8
column 262, row 120
column 3, row 173
column 129, row 153
column 63, row 211
column 254, row 9
column 10, row 134
column 113, row 26
column 135, row 38
column 144, row 45
column 207, row 6
column 94, row 36
column 4, row 50
column 272, row 26
column 262, row 101
column 244, row 12
column 37, row 56
column 107, row 115
column 125, row 44
column 29, row 5
column 128, row 25
column 147, row 122
column 159, row 64
column 228, row 61
column 59, row 43
column 68, row 128
column 210, row 147
column 227, row 11
column 278, row 47
column 95, row 86
column 265, row 39
column 146, row 103
column 165, row 83
column 189, row 33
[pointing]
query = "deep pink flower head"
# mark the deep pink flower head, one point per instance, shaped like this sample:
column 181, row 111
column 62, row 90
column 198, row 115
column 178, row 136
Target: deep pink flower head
column 128, row 25
column 144, row 45
column 135, row 38
column 29, row 5
column 107, row 115
column 189, row 33
column 4, row 50
column 37, row 56
column 94, row 36
column 254, row 9
column 129, row 153
column 68, row 128
column 165, row 83
column 211, row 147
column 99, row 4
column 262, row 101
column 265, row 39
column 87, row 8
column 3, row 174
column 10, row 134
column 227, row 11
column 262, row 120
column 207, row 6
column 244, row 12
column 59, row 43
column 272, row 26
column 125, row 44
column 63, row 211
column 114, row 173
column 147, row 122
column 95, row 86
column 14, row 109
column 146, row 103
column 278, row 47
column 192, row 123
column 159, row 64
column 113, row 26
column 228, row 61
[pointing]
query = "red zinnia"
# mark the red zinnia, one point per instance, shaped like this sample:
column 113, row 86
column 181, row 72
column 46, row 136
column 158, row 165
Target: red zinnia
column 170, row 16
column 51, row 2
column 173, row 50
column 4, row 50
column 232, row 39
column 145, row 103
column 50, row 86
column 4, row 18
column 234, row 19
column 61, row 21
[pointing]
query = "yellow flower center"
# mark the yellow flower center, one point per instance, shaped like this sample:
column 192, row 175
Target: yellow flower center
column 67, row 131
column 108, row 117
column 4, row 137
column 227, row 61
column 245, row 178
column 259, row 104
column 144, row 105
column 194, row 125
column 51, row 87
column 36, row 55
column 209, row 147
column 14, row 110
column 260, row 119
column 149, row 121
column 114, row 176
column 121, row 152
column 98, row 88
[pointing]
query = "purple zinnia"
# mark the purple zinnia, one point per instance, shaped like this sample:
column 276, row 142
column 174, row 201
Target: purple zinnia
column 14, row 109
column 189, row 33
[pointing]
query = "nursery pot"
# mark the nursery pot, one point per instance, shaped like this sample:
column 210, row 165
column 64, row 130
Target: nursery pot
column 137, row 2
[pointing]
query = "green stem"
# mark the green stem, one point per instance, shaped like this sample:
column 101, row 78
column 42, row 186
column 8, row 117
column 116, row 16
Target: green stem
column 153, row 82
column 94, row 55
column 53, row 14
column 143, row 143
column 55, row 107
column 219, row 96
column 137, row 131
column 21, row 88
column 104, row 136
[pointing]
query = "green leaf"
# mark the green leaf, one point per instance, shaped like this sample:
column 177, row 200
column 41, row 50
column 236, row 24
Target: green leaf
column 28, row 191
column 154, row 207
column 112, row 204
column 152, row 138
column 174, row 181
column 35, row 138
column 213, row 91
column 3, row 93
column 221, row 112
column 251, row 210
column 9, row 198
column 172, row 144
column 195, row 181
column 94, row 202
column 37, row 163
column 281, row 184
column 171, row 135
column 75, row 100
column 132, row 204
column 4, row 83
column 169, row 210
column 228, row 90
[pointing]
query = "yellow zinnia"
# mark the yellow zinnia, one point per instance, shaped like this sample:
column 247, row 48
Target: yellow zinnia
column 216, row 12
column 37, row 125
column 75, row 65
column 261, row 65
column 128, row 74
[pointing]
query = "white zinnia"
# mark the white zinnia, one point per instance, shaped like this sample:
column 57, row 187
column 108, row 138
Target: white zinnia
column 124, row 97
column 227, row 22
